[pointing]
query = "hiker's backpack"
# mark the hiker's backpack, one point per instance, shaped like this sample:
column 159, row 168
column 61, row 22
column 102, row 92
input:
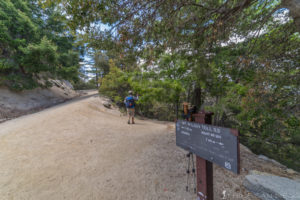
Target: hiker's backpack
column 130, row 102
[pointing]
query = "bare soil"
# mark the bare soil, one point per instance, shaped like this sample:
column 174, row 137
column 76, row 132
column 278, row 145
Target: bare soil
column 17, row 103
column 81, row 150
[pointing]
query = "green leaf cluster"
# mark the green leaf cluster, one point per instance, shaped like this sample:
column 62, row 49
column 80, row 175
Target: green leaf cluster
column 34, row 44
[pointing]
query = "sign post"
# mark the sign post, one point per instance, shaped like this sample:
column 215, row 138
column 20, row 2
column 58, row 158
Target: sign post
column 210, row 144
column 204, row 168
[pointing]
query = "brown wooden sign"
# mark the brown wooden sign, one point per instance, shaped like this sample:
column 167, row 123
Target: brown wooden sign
column 218, row 145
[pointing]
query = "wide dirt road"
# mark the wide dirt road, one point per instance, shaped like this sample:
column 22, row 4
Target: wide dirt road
column 81, row 150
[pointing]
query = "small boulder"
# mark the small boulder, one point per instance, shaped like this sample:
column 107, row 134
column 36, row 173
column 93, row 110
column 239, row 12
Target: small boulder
column 255, row 172
column 271, row 160
column 291, row 171
column 269, row 187
column 264, row 157
column 106, row 104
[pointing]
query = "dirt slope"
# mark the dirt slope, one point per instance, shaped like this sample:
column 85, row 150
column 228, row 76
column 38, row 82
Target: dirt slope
column 14, row 104
column 81, row 150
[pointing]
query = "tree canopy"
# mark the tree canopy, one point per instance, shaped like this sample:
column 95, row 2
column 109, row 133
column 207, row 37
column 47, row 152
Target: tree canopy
column 239, row 59
column 35, row 44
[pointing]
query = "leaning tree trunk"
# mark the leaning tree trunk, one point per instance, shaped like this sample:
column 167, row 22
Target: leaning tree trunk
column 294, row 8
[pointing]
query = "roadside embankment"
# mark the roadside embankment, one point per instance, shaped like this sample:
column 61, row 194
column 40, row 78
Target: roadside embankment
column 14, row 104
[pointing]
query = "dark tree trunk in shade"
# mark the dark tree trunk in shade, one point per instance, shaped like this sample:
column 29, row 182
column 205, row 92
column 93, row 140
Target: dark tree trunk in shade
column 197, row 97
column 22, row 69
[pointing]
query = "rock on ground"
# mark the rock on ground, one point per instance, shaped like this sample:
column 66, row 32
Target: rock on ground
column 269, row 187
column 106, row 104
column 271, row 160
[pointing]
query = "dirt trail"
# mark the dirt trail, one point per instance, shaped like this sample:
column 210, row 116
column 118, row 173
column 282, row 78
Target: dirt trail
column 81, row 150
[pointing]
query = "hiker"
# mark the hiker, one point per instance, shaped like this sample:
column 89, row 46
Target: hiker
column 130, row 106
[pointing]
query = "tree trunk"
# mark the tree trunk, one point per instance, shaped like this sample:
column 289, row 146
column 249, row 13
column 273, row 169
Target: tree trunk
column 22, row 69
column 97, row 78
column 197, row 98
column 294, row 8
column 177, row 108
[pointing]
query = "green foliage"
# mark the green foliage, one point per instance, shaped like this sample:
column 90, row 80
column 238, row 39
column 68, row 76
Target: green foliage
column 34, row 44
column 82, row 85
column 115, row 84
column 236, row 56
column 40, row 57
column 157, row 97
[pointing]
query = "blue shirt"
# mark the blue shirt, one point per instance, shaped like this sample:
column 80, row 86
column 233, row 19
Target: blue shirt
column 135, row 99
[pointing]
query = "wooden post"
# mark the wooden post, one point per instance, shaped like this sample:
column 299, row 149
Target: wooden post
column 204, row 168
column 186, row 110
